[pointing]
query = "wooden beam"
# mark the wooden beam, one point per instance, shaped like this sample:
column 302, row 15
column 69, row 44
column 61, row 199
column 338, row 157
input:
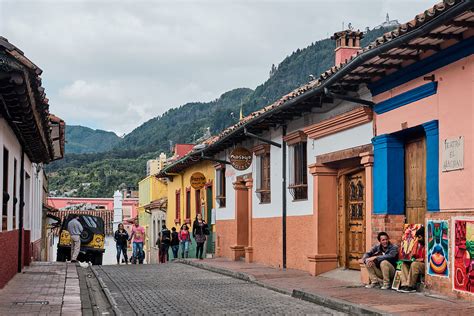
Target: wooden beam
column 468, row 24
column 381, row 66
column 399, row 57
column 423, row 47
column 442, row 36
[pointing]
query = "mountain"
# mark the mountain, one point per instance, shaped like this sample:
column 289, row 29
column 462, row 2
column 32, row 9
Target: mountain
column 80, row 139
column 125, row 161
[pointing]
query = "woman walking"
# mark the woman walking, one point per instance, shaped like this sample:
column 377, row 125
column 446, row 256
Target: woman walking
column 185, row 240
column 200, row 230
column 121, row 238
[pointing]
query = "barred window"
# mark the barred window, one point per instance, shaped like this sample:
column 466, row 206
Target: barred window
column 297, row 162
column 178, row 205
column 220, row 186
column 263, row 188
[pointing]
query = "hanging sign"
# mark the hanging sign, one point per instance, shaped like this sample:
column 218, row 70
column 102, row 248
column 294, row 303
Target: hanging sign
column 198, row 180
column 240, row 158
column 453, row 154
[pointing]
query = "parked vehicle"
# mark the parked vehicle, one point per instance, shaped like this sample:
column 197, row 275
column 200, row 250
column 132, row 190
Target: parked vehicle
column 92, row 239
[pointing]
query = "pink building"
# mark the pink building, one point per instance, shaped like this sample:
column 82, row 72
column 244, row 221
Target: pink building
column 129, row 205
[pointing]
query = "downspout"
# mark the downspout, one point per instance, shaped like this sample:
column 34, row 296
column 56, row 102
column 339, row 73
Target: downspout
column 22, row 204
column 283, row 189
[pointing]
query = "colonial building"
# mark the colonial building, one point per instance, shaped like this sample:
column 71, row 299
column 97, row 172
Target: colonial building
column 29, row 138
column 190, row 180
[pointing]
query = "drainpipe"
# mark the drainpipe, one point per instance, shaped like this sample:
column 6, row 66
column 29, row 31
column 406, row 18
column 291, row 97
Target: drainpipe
column 22, row 204
column 283, row 189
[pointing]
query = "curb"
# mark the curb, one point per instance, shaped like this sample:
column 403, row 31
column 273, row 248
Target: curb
column 106, row 291
column 337, row 304
column 326, row 301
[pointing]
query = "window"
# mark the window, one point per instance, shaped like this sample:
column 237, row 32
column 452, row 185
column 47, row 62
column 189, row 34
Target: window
column 178, row 205
column 15, row 199
column 198, row 202
column 188, row 203
column 220, row 185
column 6, row 196
column 262, row 152
column 298, row 180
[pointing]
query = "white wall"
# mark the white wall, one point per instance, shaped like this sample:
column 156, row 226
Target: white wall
column 32, row 212
column 356, row 136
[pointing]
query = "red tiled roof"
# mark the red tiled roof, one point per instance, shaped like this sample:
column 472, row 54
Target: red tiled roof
column 367, row 61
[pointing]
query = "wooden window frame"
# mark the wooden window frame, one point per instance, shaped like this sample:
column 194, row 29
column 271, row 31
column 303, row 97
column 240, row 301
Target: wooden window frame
column 220, row 185
column 298, row 186
column 178, row 206
column 15, row 198
column 197, row 199
column 6, row 195
column 263, row 189
column 188, row 205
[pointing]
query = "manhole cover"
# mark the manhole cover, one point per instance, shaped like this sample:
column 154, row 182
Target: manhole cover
column 31, row 303
column 39, row 272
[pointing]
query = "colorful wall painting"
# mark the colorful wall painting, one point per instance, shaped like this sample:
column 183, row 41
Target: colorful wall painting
column 438, row 248
column 409, row 241
column 463, row 277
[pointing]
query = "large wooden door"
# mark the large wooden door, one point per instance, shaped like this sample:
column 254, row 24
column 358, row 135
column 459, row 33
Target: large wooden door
column 355, row 211
column 415, row 181
column 351, row 219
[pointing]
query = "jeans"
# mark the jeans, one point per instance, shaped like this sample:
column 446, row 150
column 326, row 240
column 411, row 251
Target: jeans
column 411, row 272
column 175, row 250
column 184, row 249
column 121, row 249
column 199, row 250
column 164, row 253
column 138, row 250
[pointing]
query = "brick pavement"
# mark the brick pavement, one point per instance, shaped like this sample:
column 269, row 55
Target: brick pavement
column 175, row 288
column 44, row 288
column 390, row 302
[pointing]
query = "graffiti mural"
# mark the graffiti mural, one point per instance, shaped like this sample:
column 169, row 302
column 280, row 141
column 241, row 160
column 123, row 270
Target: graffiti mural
column 409, row 241
column 438, row 248
column 464, row 255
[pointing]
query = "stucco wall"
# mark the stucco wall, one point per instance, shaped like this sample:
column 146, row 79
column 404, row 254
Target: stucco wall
column 452, row 105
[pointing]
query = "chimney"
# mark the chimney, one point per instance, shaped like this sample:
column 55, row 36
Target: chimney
column 347, row 44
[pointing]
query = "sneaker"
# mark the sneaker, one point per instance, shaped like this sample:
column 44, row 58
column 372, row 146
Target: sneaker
column 385, row 287
column 407, row 289
column 372, row 285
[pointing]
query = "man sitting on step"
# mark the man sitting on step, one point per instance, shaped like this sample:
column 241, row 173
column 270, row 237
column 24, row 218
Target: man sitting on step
column 381, row 261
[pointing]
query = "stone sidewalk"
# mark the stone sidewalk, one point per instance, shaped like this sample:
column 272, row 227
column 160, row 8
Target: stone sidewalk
column 342, row 295
column 44, row 288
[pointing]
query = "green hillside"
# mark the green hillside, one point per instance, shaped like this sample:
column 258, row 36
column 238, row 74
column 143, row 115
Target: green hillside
column 82, row 139
column 125, row 162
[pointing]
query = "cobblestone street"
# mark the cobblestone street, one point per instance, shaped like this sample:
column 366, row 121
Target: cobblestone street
column 181, row 289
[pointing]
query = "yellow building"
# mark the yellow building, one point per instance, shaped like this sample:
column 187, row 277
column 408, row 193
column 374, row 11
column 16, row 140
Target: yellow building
column 152, row 194
column 184, row 201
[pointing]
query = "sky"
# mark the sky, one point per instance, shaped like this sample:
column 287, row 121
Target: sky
column 113, row 65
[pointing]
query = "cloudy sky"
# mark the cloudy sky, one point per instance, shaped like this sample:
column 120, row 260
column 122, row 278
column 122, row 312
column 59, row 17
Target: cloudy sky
column 115, row 64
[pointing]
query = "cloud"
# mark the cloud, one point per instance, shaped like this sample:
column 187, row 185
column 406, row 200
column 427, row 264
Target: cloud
column 114, row 64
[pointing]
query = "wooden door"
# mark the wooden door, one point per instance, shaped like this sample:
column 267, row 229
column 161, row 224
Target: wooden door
column 355, row 215
column 415, row 181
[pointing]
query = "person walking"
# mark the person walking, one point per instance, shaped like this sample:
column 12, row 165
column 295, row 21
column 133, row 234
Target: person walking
column 121, row 240
column 185, row 240
column 200, row 230
column 75, row 229
column 138, row 237
column 174, row 242
column 165, row 244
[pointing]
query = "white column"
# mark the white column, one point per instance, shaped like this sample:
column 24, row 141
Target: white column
column 118, row 218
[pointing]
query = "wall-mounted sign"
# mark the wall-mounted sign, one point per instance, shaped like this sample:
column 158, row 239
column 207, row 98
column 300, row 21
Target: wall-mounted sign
column 453, row 154
column 240, row 158
column 198, row 180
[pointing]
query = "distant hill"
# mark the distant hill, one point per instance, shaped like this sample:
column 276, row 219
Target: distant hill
column 125, row 162
column 80, row 140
